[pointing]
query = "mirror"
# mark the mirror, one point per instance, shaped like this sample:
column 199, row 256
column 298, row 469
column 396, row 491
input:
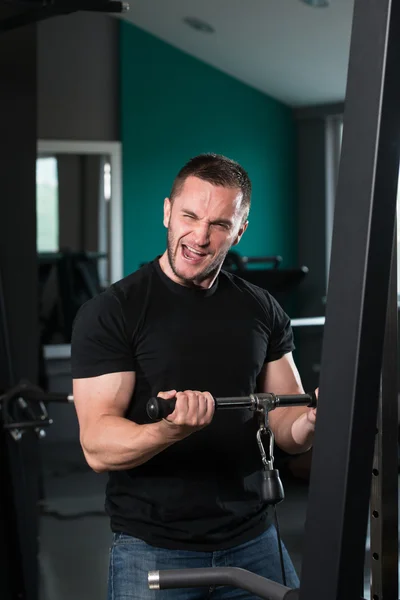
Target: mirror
column 79, row 229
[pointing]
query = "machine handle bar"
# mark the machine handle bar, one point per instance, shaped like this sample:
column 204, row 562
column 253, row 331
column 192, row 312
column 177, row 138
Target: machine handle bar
column 232, row 576
column 158, row 408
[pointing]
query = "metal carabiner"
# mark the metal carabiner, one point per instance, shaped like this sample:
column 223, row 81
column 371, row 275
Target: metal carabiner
column 268, row 462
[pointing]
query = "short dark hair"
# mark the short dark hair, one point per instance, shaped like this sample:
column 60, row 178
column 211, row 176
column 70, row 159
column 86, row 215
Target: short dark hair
column 218, row 170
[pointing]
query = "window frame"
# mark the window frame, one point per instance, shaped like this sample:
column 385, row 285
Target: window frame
column 114, row 150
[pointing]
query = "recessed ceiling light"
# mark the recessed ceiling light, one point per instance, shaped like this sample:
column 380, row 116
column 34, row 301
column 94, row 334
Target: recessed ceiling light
column 317, row 3
column 198, row 25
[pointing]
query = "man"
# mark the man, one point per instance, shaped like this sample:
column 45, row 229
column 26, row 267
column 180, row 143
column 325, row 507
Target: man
column 186, row 491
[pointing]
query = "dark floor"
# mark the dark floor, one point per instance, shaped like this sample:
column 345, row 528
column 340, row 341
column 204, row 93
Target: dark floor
column 75, row 535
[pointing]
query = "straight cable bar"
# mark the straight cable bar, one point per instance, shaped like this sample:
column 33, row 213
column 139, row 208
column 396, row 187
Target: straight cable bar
column 158, row 408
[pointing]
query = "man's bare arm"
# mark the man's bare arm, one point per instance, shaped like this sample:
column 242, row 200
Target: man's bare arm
column 112, row 442
column 293, row 427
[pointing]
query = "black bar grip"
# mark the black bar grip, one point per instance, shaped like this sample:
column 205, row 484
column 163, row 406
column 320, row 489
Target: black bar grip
column 158, row 408
column 216, row 576
column 235, row 402
column 297, row 400
column 39, row 396
column 28, row 424
column 33, row 393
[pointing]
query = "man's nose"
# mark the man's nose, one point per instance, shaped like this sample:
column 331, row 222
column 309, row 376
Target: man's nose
column 202, row 234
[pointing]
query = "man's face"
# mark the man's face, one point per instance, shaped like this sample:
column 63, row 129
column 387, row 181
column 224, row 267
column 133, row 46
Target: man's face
column 203, row 222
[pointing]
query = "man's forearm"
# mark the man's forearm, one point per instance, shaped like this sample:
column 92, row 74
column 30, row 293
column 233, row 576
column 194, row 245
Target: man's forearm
column 114, row 443
column 302, row 433
column 295, row 433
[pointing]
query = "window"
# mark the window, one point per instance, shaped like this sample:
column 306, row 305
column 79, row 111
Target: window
column 107, row 181
column 47, row 233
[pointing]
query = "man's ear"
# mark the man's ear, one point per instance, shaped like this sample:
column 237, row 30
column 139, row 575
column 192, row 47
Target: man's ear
column 167, row 211
column 241, row 231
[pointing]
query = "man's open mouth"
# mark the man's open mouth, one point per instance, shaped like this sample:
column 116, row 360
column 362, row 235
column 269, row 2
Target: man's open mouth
column 192, row 255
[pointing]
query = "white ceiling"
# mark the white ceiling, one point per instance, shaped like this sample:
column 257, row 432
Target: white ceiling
column 285, row 48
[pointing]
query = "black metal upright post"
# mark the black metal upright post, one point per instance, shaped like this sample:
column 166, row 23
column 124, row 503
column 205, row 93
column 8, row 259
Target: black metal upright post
column 351, row 366
column 384, row 553
column 19, row 338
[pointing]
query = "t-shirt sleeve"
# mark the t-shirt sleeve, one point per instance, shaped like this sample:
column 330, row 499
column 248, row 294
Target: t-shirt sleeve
column 281, row 340
column 100, row 343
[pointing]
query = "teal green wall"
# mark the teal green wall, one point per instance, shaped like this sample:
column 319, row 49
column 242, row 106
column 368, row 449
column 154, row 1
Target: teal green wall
column 174, row 107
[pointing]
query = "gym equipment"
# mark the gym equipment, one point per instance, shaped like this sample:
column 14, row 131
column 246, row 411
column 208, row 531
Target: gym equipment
column 235, row 261
column 66, row 281
column 268, row 274
column 158, row 408
column 39, row 10
column 23, row 408
column 357, row 307
column 23, row 419
column 385, row 467
column 232, row 576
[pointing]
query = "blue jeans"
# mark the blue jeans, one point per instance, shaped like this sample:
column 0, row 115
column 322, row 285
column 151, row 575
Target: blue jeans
column 131, row 559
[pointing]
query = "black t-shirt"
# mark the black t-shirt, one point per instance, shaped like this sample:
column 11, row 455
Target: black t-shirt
column 202, row 493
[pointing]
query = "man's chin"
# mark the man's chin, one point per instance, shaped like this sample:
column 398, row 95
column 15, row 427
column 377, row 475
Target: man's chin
column 191, row 274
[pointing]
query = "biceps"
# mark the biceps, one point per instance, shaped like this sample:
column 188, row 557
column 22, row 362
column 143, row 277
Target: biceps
column 281, row 377
column 108, row 394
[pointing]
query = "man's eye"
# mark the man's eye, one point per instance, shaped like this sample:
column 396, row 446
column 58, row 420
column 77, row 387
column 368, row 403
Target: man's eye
column 189, row 216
